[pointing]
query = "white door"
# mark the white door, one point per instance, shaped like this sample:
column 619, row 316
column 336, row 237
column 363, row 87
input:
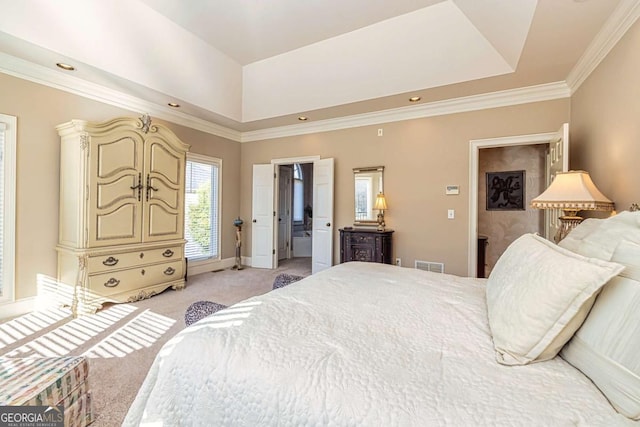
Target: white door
column 322, row 240
column 557, row 161
column 263, row 215
column 285, row 175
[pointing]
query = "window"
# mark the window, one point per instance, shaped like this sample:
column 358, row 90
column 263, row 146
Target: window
column 202, row 207
column 7, row 205
column 298, row 193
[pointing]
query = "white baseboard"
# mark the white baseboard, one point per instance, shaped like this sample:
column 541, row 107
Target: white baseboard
column 197, row 267
column 17, row 308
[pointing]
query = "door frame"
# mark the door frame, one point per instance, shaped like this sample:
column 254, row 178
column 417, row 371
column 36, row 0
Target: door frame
column 475, row 145
column 277, row 163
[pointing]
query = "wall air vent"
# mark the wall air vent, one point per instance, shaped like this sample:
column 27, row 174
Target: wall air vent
column 435, row 267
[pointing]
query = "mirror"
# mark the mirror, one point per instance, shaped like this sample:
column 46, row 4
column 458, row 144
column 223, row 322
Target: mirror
column 368, row 182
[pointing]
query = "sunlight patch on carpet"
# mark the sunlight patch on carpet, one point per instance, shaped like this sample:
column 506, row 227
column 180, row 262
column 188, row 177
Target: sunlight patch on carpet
column 142, row 331
column 25, row 326
column 61, row 341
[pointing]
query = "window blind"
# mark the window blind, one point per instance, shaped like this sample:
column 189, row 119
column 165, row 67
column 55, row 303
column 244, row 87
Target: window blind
column 201, row 210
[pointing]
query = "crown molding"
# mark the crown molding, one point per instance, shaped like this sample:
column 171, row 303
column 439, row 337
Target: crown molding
column 52, row 78
column 42, row 75
column 622, row 18
column 543, row 92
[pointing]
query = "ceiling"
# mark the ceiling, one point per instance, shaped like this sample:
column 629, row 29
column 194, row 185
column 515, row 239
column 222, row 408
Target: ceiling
column 249, row 65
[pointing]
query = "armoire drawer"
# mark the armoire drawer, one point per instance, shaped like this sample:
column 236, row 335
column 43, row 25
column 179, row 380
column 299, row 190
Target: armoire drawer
column 135, row 278
column 122, row 260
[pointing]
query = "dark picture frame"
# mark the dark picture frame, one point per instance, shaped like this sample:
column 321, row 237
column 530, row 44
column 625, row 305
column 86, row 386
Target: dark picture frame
column 505, row 191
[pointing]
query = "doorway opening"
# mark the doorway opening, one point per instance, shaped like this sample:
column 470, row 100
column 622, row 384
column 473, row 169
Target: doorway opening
column 265, row 205
column 295, row 212
column 556, row 159
column 508, row 178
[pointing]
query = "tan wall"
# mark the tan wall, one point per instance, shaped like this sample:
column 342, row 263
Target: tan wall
column 39, row 109
column 420, row 157
column 503, row 227
column 605, row 123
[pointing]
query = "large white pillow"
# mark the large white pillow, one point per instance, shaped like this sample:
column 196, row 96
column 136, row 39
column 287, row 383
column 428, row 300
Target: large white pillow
column 538, row 295
column 600, row 240
column 607, row 346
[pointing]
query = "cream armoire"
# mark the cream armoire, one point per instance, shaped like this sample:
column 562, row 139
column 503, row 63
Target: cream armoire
column 121, row 232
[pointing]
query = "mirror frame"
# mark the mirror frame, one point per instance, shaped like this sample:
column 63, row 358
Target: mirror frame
column 367, row 222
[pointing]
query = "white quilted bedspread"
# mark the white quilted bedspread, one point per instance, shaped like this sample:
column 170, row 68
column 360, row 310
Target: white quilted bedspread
column 360, row 344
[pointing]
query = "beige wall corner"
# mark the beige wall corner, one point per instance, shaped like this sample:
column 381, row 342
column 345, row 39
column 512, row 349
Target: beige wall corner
column 605, row 123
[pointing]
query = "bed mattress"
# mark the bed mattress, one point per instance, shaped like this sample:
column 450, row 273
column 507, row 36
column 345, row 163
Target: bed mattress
column 360, row 344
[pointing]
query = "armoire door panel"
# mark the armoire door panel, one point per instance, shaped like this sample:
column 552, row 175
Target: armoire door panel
column 117, row 155
column 117, row 191
column 163, row 222
column 163, row 161
column 118, row 226
column 164, row 193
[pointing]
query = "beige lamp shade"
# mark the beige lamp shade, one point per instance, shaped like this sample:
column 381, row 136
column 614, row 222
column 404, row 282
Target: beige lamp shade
column 572, row 191
column 381, row 202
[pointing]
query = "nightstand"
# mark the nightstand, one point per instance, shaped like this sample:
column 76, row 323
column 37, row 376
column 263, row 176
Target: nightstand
column 368, row 245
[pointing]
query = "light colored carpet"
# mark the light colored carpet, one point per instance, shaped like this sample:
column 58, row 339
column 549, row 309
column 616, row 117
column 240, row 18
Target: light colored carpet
column 122, row 340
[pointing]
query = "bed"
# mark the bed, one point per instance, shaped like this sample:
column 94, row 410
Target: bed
column 378, row 345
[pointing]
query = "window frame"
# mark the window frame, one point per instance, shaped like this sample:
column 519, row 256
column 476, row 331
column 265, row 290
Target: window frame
column 214, row 161
column 8, row 125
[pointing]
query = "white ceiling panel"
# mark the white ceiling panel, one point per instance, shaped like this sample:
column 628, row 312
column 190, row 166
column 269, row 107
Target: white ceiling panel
column 392, row 56
column 131, row 41
column 505, row 23
column 251, row 30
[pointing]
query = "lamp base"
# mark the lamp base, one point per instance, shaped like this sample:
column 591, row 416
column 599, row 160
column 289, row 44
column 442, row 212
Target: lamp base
column 381, row 223
column 567, row 224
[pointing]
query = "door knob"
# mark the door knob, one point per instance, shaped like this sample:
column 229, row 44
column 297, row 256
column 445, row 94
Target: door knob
column 255, row 220
column 328, row 224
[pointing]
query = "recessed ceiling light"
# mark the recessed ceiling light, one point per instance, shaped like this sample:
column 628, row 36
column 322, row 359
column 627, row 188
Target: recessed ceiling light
column 303, row 118
column 173, row 105
column 65, row 67
column 415, row 99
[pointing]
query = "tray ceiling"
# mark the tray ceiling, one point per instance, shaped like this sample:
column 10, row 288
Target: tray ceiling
column 252, row 64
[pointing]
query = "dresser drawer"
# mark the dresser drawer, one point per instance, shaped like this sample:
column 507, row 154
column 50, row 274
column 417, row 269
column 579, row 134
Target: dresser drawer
column 122, row 260
column 362, row 239
column 135, row 278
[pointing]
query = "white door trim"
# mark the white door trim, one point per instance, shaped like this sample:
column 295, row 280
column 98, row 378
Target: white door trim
column 474, row 151
column 292, row 160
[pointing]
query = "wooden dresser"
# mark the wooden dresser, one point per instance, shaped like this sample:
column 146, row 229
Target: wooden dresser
column 369, row 245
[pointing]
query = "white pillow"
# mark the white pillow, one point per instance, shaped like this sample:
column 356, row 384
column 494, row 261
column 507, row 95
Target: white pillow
column 538, row 295
column 600, row 241
column 607, row 346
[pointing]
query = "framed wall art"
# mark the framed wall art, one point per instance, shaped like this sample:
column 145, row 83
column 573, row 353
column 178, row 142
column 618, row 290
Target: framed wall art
column 505, row 191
